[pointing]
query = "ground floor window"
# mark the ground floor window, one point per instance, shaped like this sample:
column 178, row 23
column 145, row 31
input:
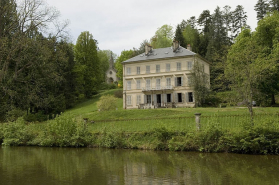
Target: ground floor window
column 179, row 97
column 190, row 97
column 138, row 99
column 129, row 100
column 148, row 98
column 168, row 98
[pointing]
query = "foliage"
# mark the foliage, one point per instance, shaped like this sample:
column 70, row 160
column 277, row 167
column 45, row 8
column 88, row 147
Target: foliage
column 106, row 103
column 125, row 55
column 88, row 66
column 163, row 37
column 118, row 94
column 200, row 83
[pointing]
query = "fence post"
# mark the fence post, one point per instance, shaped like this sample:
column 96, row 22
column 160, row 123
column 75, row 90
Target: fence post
column 198, row 120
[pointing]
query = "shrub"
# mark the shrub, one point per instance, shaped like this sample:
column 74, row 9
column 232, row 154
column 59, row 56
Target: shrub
column 40, row 116
column 14, row 114
column 118, row 94
column 107, row 102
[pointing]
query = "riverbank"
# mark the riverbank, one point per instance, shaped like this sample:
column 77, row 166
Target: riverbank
column 67, row 132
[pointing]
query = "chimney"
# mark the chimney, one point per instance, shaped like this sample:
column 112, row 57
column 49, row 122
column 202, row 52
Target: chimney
column 189, row 47
column 148, row 49
column 175, row 45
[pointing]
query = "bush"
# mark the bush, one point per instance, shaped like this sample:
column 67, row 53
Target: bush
column 14, row 114
column 107, row 102
column 40, row 116
column 118, row 94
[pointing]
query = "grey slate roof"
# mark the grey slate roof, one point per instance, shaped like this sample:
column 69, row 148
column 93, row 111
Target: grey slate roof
column 161, row 53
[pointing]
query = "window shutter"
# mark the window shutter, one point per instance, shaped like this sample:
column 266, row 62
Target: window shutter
column 132, row 100
column 193, row 97
column 175, row 98
column 175, row 81
column 183, row 98
column 182, row 84
column 186, row 97
column 155, row 99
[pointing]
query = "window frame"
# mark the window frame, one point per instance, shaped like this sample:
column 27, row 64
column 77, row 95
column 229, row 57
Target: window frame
column 128, row 70
column 178, row 66
column 138, row 84
column 138, row 70
column 129, row 100
column 158, row 68
column 147, row 70
column 129, row 84
column 168, row 67
column 189, row 65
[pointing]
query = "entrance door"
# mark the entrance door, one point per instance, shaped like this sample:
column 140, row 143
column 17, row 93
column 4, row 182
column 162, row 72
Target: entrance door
column 159, row 100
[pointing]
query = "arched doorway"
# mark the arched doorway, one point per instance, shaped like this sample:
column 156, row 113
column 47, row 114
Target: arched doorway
column 110, row 80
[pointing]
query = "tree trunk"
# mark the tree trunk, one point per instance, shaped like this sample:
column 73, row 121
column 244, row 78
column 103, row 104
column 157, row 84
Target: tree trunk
column 273, row 102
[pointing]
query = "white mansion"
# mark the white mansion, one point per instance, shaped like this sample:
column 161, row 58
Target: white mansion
column 160, row 78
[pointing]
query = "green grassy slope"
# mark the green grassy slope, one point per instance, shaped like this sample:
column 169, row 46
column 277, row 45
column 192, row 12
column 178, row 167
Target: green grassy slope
column 88, row 109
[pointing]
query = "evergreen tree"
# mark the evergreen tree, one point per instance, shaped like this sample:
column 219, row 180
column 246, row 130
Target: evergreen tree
column 179, row 37
column 88, row 63
column 274, row 5
column 262, row 7
column 239, row 20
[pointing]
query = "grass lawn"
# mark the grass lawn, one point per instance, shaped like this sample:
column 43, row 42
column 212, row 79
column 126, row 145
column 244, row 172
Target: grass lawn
column 157, row 117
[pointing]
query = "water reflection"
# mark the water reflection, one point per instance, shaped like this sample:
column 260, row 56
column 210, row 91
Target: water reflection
column 31, row 165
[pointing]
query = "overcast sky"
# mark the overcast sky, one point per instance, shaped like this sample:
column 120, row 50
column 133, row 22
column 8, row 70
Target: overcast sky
column 123, row 24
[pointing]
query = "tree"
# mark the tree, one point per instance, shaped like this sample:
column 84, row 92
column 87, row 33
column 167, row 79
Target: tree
column 267, row 34
column 239, row 20
column 163, row 37
column 179, row 37
column 88, row 63
column 262, row 7
column 30, row 63
column 125, row 55
column 105, row 57
column 191, row 36
column 246, row 66
column 200, row 83
column 141, row 49
column 274, row 5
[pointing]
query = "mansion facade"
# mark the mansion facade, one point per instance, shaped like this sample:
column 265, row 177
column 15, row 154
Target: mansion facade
column 160, row 78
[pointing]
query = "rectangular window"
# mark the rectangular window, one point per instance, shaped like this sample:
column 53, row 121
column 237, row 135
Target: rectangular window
column 138, row 70
column 147, row 69
column 138, row 99
column 129, row 85
column 168, row 83
column 148, row 98
column 158, row 84
column 178, row 66
column 157, row 68
column 190, row 97
column 179, row 97
column 167, row 67
column 189, row 65
column 129, row 100
column 148, row 87
column 128, row 70
column 138, row 84
column 168, row 98
column 179, row 81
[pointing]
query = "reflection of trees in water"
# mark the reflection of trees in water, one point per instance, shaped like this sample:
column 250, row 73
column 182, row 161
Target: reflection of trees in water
column 106, row 166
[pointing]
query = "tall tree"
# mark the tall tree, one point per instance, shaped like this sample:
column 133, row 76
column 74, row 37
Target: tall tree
column 239, row 20
column 163, row 37
column 262, row 7
column 125, row 55
column 191, row 36
column 274, row 5
column 88, row 63
column 243, row 69
column 179, row 37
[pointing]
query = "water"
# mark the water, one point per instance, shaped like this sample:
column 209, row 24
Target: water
column 50, row 166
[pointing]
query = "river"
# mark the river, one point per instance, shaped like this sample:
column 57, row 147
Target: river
column 51, row 166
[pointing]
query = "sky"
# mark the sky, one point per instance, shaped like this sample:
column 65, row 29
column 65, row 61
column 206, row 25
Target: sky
column 120, row 25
